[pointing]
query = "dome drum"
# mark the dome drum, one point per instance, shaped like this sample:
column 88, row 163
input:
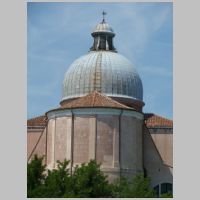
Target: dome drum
column 96, row 133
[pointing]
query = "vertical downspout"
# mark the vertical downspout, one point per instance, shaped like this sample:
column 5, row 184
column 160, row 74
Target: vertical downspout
column 46, row 141
column 72, row 142
column 120, row 142
column 143, row 129
column 54, row 145
column 96, row 137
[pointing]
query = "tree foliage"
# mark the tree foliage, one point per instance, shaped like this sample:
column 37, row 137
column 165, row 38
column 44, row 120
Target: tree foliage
column 166, row 195
column 87, row 181
column 137, row 187
column 35, row 175
column 57, row 181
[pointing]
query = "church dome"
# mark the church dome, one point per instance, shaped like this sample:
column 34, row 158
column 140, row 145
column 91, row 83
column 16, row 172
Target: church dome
column 107, row 72
column 103, row 70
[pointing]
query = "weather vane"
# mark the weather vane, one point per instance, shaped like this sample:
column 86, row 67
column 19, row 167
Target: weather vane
column 104, row 13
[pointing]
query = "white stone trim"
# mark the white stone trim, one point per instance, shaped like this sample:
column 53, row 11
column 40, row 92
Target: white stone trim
column 133, row 114
column 59, row 113
column 36, row 130
column 115, row 147
column 110, row 169
column 94, row 111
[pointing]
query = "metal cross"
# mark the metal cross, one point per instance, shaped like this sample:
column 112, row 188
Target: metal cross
column 104, row 13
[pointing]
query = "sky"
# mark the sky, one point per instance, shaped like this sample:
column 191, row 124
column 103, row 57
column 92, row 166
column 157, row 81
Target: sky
column 59, row 33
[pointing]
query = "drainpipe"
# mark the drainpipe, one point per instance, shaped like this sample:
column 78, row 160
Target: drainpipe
column 72, row 141
column 46, row 141
column 120, row 141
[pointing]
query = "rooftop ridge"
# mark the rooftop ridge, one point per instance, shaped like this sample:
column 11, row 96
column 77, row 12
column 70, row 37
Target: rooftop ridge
column 37, row 117
column 154, row 120
column 95, row 99
column 110, row 99
column 37, row 121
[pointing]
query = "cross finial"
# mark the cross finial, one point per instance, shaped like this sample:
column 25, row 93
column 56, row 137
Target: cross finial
column 104, row 13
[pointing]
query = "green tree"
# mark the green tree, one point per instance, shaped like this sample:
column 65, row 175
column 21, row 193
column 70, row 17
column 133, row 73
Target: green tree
column 86, row 181
column 35, row 175
column 89, row 181
column 58, row 181
column 137, row 187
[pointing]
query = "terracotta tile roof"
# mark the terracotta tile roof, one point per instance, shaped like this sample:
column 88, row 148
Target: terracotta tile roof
column 153, row 121
column 95, row 99
column 37, row 121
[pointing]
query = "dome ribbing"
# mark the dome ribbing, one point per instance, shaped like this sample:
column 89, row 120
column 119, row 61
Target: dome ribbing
column 103, row 70
column 107, row 72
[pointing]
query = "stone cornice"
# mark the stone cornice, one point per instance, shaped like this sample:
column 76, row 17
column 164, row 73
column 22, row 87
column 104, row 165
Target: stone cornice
column 93, row 111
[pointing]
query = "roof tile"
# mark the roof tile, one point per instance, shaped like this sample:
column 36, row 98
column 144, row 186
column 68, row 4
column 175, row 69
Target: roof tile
column 37, row 121
column 95, row 99
column 153, row 121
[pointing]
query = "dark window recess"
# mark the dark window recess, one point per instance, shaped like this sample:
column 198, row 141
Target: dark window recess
column 166, row 188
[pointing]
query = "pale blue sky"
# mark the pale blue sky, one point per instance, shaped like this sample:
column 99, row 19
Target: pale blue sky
column 58, row 33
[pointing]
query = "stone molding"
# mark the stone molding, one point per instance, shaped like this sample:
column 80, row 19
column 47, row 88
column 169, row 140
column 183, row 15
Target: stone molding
column 59, row 113
column 94, row 111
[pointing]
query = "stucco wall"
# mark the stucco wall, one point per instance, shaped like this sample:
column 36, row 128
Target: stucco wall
column 106, row 128
column 81, row 140
column 36, row 143
column 50, row 142
column 153, row 163
column 112, row 137
column 163, row 139
column 60, row 138
column 131, row 145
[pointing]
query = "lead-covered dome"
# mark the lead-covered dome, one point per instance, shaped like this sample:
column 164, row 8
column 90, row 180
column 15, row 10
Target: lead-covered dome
column 107, row 72
column 103, row 70
column 103, row 27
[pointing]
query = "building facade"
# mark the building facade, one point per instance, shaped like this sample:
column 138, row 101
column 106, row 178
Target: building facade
column 100, row 117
